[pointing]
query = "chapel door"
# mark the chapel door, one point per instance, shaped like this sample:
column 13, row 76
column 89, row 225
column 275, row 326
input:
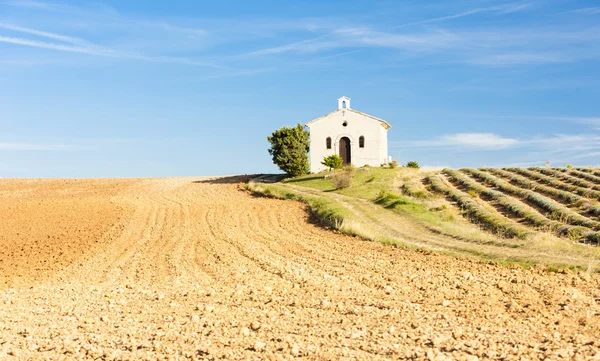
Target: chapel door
column 345, row 152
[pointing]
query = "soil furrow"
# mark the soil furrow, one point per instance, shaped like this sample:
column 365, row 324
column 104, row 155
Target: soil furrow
column 189, row 268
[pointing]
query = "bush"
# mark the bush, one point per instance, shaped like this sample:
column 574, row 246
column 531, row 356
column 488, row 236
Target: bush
column 333, row 162
column 492, row 221
column 393, row 164
column 342, row 179
column 289, row 149
column 412, row 164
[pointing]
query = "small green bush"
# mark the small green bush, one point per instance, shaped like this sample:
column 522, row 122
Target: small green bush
column 393, row 164
column 333, row 162
column 342, row 178
column 412, row 164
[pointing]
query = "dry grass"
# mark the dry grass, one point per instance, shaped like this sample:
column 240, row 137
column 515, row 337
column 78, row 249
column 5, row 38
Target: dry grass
column 342, row 178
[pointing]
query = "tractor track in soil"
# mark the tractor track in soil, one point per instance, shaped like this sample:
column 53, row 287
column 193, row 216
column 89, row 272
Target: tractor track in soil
column 196, row 268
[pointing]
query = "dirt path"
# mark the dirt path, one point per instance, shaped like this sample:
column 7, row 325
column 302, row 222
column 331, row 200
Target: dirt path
column 191, row 268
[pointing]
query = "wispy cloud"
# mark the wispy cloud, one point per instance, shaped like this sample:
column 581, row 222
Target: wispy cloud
column 506, row 46
column 363, row 37
column 491, row 141
column 182, row 29
column 594, row 121
column 520, row 58
column 184, row 41
column 588, row 155
column 427, row 40
column 570, row 141
column 522, row 151
column 463, row 140
column 78, row 45
column 60, row 47
column 32, row 146
column 587, row 11
column 295, row 46
column 480, row 140
column 30, row 4
column 67, row 39
column 501, row 9
column 94, row 8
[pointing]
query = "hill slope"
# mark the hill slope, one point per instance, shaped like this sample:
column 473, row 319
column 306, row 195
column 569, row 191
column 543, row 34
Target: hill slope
column 189, row 268
column 529, row 216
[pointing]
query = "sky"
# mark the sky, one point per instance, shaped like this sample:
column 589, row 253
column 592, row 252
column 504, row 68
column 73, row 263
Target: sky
column 178, row 88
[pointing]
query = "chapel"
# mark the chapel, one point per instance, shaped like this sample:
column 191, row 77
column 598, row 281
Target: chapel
column 359, row 138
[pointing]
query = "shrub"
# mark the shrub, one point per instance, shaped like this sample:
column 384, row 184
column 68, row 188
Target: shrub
column 412, row 191
column 523, row 182
column 289, row 149
column 559, row 184
column 553, row 209
column 478, row 214
column 412, row 164
column 569, row 178
column 333, row 162
column 342, row 179
column 569, row 166
column 586, row 176
column 393, row 164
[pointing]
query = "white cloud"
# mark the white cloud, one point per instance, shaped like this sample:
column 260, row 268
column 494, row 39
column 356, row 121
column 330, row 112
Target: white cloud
column 67, row 39
column 462, row 141
column 501, row 9
column 298, row 45
column 182, row 29
column 573, row 141
column 363, row 37
column 587, row 11
column 491, row 141
column 480, row 140
column 91, row 49
column 588, row 155
column 159, row 39
column 519, row 58
column 60, row 47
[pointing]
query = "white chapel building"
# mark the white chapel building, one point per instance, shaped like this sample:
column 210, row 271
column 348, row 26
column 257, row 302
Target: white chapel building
column 359, row 138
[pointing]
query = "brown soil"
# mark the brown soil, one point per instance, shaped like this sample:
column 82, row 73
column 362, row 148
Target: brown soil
column 175, row 268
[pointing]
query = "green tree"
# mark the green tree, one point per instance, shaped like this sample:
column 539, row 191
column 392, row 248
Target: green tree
column 289, row 149
column 333, row 162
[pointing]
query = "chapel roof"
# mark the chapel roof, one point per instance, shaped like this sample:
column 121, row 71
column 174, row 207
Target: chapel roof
column 383, row 123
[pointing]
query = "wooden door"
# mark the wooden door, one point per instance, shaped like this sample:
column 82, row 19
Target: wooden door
column 345, row 151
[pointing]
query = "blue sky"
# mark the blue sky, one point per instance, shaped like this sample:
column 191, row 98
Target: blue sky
column 155, row 88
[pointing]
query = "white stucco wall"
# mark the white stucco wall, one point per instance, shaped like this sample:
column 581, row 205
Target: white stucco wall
column 374, row 153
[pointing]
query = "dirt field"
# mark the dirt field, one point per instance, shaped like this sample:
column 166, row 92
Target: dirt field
column 194, row 268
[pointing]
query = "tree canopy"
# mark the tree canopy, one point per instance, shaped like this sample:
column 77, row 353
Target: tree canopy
column 289, row 149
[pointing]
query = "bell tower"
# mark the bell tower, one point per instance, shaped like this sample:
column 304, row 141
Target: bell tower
column 343, row 103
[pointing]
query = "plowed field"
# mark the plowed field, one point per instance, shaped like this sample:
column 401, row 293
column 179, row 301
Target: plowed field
column 196, row 268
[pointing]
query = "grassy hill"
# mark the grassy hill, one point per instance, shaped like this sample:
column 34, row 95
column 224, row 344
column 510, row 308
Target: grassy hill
column 546, row 216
